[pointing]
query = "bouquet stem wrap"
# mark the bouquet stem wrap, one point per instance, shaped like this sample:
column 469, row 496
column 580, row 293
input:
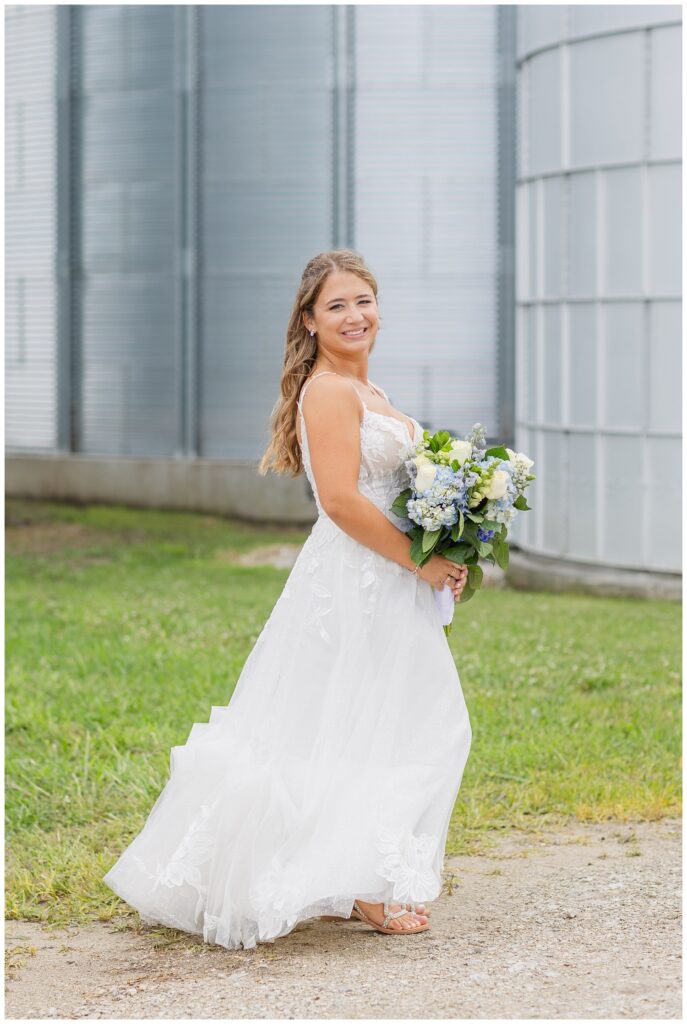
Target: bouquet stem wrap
column 445, row 603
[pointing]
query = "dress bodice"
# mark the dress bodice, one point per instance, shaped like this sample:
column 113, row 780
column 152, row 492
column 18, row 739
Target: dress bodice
column 385, row 445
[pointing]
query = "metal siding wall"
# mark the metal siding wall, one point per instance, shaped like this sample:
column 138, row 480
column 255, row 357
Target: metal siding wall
column 127, row 179
column 191, row 214
column 426, row 202
column 30, row 228
column 598, row 282
column 266, row 203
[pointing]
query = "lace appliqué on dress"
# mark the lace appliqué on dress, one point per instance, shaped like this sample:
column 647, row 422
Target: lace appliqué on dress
column 408, row 862
column 385, row 446
column 191, row 855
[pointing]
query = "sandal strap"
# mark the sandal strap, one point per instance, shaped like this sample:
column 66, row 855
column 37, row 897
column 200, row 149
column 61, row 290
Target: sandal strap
column 391, row 915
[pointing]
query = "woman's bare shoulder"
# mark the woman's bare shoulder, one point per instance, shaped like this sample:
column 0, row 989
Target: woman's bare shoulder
column 329, row 393
column 327, row 384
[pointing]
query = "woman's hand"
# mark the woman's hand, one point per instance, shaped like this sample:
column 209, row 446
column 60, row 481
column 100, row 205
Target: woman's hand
column 438, row 568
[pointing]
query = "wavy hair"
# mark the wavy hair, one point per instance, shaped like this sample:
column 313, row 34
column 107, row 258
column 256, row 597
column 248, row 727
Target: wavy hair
column 283, row 453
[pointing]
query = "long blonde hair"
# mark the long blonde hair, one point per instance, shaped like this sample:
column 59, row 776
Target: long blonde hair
column 283, row 453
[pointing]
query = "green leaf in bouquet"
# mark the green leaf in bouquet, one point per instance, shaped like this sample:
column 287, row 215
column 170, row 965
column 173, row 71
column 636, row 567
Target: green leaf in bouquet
column 430, row 539
column 469, row 535
column 439, row 440
column 498, row 451
column 466, row 594
column 501, row 552
column 476, row 517
column 458, row 553
column 457, row 528
column 475, row 576
column 491, row 524
column 416, row 552
column 400, row 504
column 521, row 503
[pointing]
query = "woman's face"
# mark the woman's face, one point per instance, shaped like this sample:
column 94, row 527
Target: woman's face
column 346, row 317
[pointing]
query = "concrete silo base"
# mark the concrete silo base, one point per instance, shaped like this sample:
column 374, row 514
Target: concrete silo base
column 528, row 571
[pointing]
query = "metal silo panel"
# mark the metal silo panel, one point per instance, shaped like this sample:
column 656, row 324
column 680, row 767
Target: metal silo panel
column 664, row 200
column 125, row 168
column 607, row 100
column 265, row 186
column 31, row 369
column 664, row 387
column 615, row 443
column 426, row 204
column 544, row 107
column 622, row 205
column 663, row 501
column 666, row 83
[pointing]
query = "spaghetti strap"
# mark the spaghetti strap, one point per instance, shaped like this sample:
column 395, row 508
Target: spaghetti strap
column 303, row 389
column 300, row 397
column 383, row 392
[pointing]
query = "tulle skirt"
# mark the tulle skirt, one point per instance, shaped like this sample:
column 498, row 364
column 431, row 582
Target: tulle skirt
column 331, row 774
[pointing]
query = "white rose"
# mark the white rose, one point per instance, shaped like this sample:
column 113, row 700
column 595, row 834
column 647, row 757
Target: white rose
column 460, row 450
column 519, row 459
column 426, row 471
column 497, row 486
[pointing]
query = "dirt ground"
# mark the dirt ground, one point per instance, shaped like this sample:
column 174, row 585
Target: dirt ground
column 581, row 922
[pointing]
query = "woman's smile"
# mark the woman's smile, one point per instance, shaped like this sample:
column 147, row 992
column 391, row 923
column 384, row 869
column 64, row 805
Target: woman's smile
column 359, row 332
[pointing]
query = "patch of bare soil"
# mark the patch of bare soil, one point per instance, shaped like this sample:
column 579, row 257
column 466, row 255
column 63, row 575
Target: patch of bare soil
column 48, row 538
column 580, row 922
column 278, row 556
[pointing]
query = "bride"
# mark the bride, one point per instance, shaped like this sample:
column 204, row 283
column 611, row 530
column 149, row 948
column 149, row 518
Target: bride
column 325, row 787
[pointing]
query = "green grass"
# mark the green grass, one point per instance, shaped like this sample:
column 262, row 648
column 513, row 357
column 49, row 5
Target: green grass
column 124, row 626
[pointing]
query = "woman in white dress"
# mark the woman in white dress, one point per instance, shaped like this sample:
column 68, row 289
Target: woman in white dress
column 325, row 787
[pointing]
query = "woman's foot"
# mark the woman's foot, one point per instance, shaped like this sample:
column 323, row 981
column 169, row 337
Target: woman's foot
column 375, row 911
column 420, row 911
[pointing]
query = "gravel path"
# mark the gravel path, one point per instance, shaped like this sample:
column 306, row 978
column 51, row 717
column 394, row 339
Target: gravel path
column 581, row 922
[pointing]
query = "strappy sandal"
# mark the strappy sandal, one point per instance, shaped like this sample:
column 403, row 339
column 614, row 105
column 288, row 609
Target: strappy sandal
column 411, row 907
column 388, row 916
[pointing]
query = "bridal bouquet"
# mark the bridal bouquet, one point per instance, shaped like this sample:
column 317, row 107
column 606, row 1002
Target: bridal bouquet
column 462, row 500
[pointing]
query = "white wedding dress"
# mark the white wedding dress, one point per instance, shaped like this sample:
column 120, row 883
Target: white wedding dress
column 332, row 773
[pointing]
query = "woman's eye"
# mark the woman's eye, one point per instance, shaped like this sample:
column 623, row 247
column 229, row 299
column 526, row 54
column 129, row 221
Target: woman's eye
column 338, row 305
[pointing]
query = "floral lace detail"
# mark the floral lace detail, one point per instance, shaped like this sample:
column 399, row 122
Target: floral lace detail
column 309, row 561
column 192, row 854
column 408, row 862
column 385, row 445
column 277, row 896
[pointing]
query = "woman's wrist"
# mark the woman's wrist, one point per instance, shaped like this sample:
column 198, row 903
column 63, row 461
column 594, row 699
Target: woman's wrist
column 414, row 568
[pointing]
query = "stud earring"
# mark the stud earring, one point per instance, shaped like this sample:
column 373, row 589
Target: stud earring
column 312, row 334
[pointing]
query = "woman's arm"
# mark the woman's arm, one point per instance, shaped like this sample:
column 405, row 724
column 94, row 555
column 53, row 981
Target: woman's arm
column 333, row 426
